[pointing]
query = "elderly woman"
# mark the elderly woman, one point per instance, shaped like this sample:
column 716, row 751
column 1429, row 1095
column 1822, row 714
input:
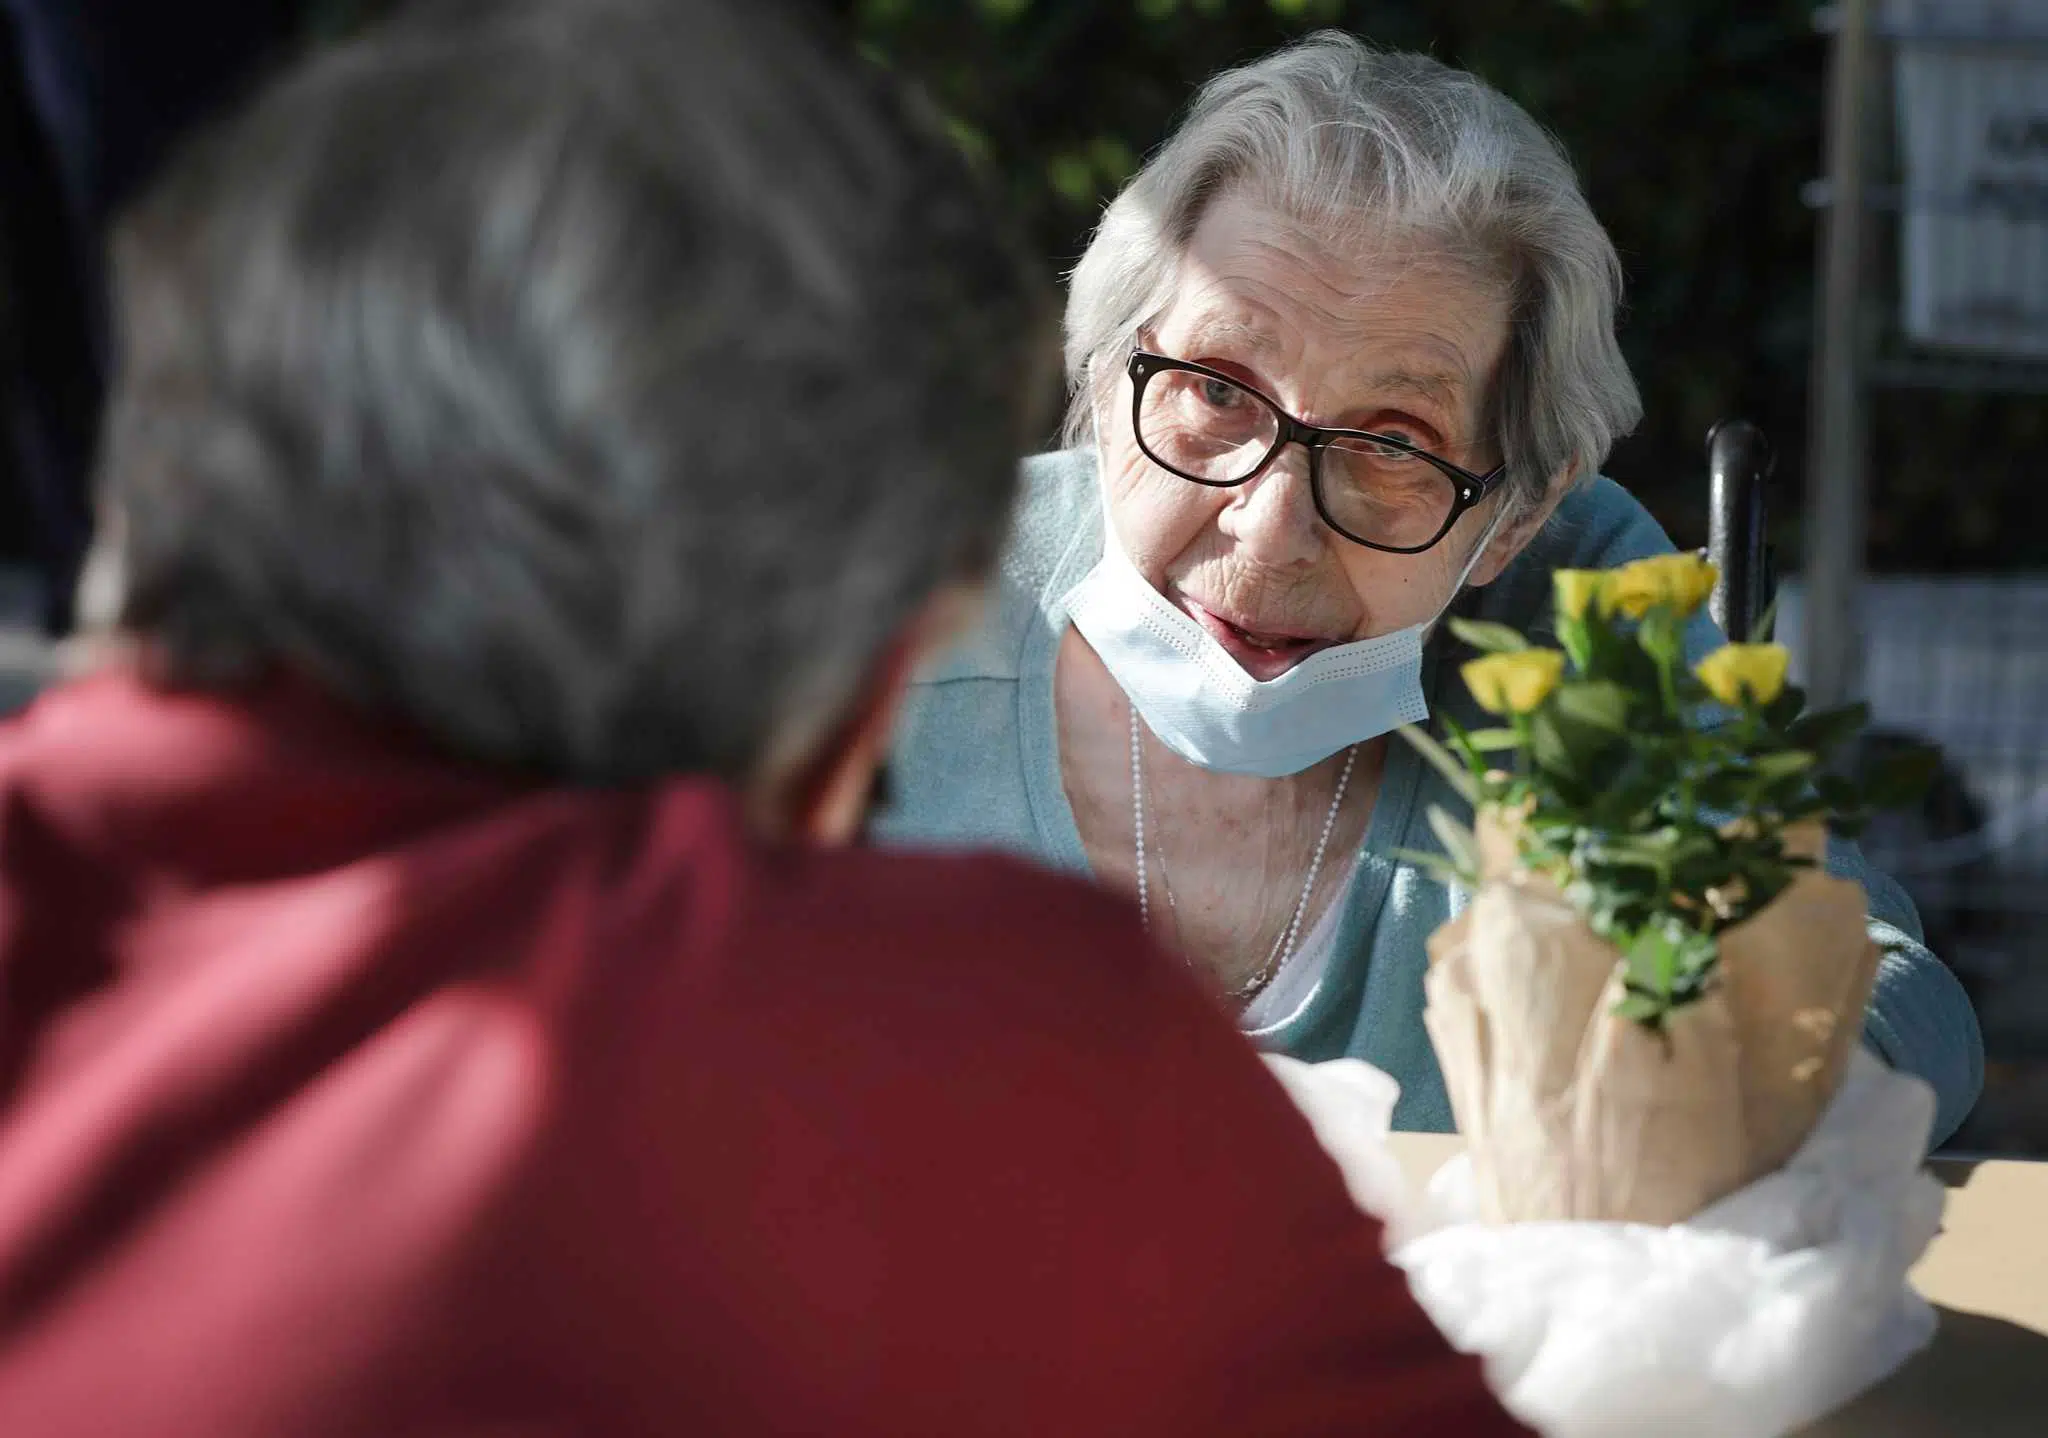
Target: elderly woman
column 1342, row 361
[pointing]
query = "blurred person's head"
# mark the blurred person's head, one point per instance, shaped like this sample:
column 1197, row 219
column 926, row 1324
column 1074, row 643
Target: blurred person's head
column 605, row 387
column 1361, row 241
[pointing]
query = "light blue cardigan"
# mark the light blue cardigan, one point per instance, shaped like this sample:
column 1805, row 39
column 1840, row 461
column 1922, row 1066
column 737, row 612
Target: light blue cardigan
column 977, row 765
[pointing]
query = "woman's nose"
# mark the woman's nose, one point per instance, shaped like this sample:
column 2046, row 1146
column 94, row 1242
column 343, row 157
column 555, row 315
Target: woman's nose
column 1273, row 517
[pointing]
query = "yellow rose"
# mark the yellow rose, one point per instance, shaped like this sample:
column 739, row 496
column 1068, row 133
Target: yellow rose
column 1732, row 669
column 1682, row 581
column 1635, row 592
column 1576, row 590
column 1513, row 683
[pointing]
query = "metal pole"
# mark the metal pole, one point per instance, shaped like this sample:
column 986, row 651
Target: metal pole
column 1837, row 490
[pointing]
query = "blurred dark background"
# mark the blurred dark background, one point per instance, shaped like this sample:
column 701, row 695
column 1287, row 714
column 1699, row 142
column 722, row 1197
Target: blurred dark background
column 1695, row 125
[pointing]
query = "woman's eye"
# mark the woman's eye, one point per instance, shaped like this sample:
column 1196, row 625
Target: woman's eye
column 1413, row 438
column 1218, row 395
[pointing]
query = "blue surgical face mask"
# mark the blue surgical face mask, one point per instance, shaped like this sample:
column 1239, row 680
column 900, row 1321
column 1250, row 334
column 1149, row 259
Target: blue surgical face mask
column 1206, row 709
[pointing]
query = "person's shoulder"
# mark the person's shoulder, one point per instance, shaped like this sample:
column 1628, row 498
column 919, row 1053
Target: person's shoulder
column 1007, row 920
column 976, row 953
column 882, row 936
column 1056, row 500
column 1057, row 496
column 986, row 942
column 1597, row 526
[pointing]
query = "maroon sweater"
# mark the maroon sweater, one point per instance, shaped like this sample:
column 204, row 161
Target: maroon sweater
column 345, row 1090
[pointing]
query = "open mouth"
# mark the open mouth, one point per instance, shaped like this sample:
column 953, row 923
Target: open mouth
column 1263, row 654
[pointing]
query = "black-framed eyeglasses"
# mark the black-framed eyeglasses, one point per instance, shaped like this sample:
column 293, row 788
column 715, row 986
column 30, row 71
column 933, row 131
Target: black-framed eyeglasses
column 1374, row 489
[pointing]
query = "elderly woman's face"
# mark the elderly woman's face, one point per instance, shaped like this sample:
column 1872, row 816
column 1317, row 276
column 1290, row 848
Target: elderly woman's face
column 1361, row 339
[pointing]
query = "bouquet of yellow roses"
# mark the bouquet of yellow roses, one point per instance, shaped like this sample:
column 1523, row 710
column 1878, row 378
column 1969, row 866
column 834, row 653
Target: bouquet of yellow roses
column 1654, row 990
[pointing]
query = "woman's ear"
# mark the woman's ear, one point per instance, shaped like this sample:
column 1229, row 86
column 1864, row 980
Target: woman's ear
column 1515, row 533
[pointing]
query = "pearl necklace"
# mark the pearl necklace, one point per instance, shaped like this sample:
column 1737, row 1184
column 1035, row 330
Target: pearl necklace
column 1283, row 947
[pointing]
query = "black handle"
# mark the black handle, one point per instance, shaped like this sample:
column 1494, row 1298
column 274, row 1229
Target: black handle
column 1739, row 461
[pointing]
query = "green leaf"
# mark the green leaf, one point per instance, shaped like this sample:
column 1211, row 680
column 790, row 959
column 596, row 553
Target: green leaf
column 1437, row 867
column 1669, row 959
column 1461, row 745
column 1781, row 711
column 1579, row 757
column 1652, row 962
column 1493, row 741
column 1458, row 841
column 1692, row 846
column 1812, row 807
column 1783, row 764
column 1488, row 637
column 1440, row 759
column 1614, row 654
column 1637, row 779
column 1659, row 636
column 1766, row 622
column 1642, row 1009
column 1577, row 643
column 1548, row 746
column 1628, row 851
column 1824, row 730
column 1723, row 789
column 1601, row 703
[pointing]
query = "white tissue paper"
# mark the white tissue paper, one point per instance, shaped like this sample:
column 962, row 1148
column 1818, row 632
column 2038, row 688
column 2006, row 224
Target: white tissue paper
column 1760, row 1314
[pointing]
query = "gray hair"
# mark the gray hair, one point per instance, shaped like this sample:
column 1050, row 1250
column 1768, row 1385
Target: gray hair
column 602, row 385
column 1348, row 140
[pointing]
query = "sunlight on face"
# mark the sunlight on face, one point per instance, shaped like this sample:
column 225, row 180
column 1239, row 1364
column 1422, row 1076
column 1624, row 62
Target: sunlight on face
column 1364, row 337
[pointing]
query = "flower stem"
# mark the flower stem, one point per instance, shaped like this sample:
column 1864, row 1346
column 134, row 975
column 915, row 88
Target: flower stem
column 1667, row 684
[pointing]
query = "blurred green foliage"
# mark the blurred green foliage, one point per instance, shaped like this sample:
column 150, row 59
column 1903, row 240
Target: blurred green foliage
column 1694, row 125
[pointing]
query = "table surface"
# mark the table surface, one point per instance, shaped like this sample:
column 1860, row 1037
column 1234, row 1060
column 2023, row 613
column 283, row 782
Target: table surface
column 1985, row 1375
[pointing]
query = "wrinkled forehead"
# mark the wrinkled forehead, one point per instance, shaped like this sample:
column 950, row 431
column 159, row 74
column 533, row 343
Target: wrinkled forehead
column 1264, row 290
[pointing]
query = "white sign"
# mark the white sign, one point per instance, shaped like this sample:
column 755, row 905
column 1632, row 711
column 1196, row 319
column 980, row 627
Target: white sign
column 1972, row 82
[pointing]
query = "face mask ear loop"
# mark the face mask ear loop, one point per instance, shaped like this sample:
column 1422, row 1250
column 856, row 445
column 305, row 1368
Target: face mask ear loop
column 1471, row 563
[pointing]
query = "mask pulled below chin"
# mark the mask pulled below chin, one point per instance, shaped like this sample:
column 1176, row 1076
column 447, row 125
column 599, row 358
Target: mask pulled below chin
column 1206, row 709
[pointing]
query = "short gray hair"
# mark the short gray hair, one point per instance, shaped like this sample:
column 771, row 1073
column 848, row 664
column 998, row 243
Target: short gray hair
column 602, row 385
column 1348, row 140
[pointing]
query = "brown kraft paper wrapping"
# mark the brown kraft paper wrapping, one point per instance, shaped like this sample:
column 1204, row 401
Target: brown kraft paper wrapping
column 1571, row 1113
